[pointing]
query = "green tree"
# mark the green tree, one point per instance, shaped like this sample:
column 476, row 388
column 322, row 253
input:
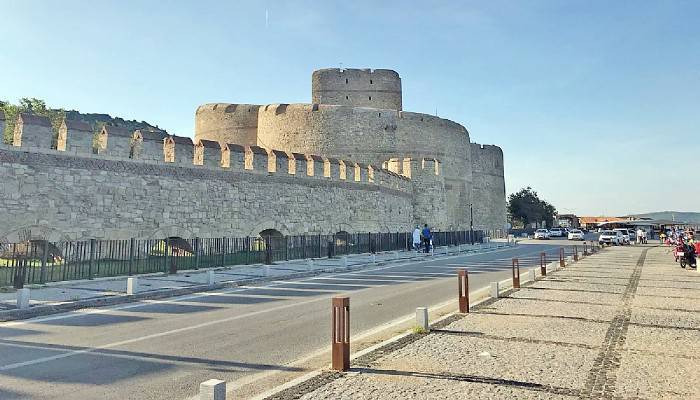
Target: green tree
column 32, row 106
column 525, row 207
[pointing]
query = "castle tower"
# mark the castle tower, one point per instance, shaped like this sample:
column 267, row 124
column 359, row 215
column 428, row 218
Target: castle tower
column 227, row 123
column 379, row 88
column 489, row 190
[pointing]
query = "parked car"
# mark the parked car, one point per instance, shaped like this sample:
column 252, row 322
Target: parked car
column 611, row 238
column 632, row 234
column 556, row 232
column 541, row 234
column 625, row 234
column 575, row 234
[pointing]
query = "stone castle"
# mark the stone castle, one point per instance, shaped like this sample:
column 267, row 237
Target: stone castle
column 351, row 161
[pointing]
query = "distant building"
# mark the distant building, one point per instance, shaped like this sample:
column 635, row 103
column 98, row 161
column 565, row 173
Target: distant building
column 593, row 222
column 568, row 221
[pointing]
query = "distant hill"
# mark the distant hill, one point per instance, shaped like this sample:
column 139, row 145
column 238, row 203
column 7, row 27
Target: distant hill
column 690, row 217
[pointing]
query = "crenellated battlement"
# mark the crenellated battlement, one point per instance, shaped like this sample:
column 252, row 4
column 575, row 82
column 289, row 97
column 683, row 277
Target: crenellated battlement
column 159, row 148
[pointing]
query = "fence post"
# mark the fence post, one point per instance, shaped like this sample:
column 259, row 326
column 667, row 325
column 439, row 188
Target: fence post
column 340, row 350
column 516, row 273
column 543, row 263
column 91, row 257
column 463, row 290
column 197, row 247
column 320, row 252
column 268, row 250
column 44, row 256
column 561, row 257
column 132, row 245
column 165, row 255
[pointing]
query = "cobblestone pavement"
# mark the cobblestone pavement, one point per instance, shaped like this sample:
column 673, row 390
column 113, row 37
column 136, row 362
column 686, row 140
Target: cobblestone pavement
column 622, row 324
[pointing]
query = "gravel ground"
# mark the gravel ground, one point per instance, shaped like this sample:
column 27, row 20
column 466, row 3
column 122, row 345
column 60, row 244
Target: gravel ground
column 621, row 324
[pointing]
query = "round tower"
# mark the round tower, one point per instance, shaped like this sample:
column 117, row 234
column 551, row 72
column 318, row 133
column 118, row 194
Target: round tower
column 227, row 123
column 378, row 88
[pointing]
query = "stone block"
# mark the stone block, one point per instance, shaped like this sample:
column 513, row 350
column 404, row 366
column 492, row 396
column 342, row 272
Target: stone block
column 213, row 389
column 422, row 318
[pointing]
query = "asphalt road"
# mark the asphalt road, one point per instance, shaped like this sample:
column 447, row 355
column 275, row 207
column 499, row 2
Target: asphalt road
column 164, row 349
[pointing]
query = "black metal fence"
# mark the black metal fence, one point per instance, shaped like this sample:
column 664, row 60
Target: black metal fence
column 40, row 261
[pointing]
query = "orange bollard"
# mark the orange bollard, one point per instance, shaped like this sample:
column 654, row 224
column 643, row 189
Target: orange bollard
column 516, row 273
column 463, row 290
column 340, row 347
column 562, row 263
column 575, row 253
column 543, row 263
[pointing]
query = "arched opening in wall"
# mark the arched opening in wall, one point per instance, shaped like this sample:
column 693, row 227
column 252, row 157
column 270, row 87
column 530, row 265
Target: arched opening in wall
column 370, row 98
column 309, row 166
column 358, row 178
column 292, row 165
column 344, row 242
column 271, row 236
column 248, row 159
column 346, row 81
column 370, row 174
column 16, row 258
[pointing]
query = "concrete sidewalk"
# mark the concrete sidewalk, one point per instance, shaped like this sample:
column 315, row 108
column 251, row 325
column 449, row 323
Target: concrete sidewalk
column 69, row 295
column 623, row 324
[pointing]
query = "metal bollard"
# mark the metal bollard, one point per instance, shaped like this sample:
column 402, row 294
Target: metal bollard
column 340, row 347
column 463, row 290
column 585, row 249
column 516, row 273
column 23, row 298
column 213, row 389
column 575, row 253
column 494, row 290
column 210, row 278
column 422, row 318
column 543, row 264
column 132, row 286
column 561, row 257
column 532, row 274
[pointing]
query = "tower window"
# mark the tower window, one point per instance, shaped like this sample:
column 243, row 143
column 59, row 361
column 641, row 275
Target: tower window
column 370, row 81
column 370, row 97
column 347, row 98
column 346, row 80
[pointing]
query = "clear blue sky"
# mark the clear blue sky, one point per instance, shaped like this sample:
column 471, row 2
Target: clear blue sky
column 590, row 100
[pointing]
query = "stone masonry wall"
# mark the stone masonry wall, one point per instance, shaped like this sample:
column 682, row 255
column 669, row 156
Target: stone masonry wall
column 374, row 136
column 379, row 88
column 489, row 192
column 227, row 123
column 94, row 196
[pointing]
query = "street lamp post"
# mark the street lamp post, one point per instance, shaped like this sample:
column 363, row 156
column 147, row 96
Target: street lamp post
column 471, row 223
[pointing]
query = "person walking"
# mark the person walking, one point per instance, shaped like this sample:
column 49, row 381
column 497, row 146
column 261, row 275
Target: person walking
column 640, row 236
column 427, row 237
column 416, row 238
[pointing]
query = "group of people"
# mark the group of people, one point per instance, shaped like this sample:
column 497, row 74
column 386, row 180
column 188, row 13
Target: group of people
column 422, row 237
column 641, row 236
column 684, row 243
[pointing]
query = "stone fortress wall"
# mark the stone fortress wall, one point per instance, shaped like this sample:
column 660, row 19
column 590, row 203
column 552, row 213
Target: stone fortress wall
column 357, row 114
column 237, row 191
column 295, row 168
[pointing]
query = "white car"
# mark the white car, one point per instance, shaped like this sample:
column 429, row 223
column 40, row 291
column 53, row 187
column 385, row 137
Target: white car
column 625, row 235
column 556, row 232
column 575, row 234
column 541, row 234
column 611, row 238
